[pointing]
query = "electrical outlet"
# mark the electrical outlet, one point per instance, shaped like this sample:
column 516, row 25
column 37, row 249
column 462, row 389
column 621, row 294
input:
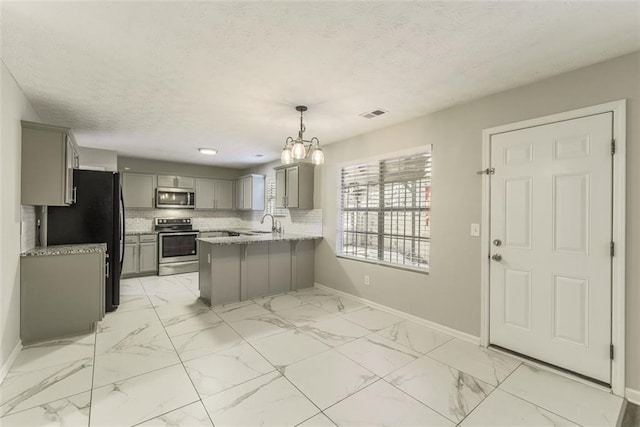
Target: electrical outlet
column 366, row 281
column 475, row 230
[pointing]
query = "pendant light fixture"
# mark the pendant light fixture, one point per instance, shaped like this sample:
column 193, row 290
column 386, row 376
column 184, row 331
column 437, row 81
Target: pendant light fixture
column 295, row 149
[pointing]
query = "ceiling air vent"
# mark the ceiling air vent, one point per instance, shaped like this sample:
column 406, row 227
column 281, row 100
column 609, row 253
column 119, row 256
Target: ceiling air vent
column 372, row 114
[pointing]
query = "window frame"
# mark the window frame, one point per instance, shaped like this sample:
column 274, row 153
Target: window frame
column 381, row 234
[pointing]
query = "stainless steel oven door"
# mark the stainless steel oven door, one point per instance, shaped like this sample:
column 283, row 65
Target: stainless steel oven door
column 177, row 247
column 175, row 198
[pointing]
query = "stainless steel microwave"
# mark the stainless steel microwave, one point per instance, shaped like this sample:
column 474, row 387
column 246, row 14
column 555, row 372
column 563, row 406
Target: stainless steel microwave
column 175, row 198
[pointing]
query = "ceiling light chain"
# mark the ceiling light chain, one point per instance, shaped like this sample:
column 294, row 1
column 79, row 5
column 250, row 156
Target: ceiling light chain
column 294, row 149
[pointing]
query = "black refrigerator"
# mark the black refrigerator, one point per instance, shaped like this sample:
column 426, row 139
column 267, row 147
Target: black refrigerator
column 97, row 216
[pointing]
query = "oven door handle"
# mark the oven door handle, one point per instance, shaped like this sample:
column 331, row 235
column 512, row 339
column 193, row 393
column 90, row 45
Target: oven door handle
column 186, row 233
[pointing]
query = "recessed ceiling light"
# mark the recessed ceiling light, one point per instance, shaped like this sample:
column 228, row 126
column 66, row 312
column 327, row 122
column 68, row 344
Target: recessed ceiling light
column 208, row 151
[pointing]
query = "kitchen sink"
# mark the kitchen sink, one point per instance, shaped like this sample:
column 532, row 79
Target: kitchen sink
column 255, row 232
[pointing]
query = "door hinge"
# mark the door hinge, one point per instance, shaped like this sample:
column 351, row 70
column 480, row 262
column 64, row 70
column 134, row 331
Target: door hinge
column 613, row 147
column 487, row 171
column 612, row 249
column 611, row 351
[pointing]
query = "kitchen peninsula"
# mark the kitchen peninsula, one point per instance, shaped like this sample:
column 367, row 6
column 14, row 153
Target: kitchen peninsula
column 237, row 268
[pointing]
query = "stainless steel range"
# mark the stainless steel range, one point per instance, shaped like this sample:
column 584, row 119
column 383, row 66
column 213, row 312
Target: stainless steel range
column 178, row 248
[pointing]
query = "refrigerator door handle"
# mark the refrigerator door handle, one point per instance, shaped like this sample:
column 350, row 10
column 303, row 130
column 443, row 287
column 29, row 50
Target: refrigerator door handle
column 122, row 228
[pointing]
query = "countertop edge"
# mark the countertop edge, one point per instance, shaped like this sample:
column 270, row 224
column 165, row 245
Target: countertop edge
column 54, row 250
column 243, row 240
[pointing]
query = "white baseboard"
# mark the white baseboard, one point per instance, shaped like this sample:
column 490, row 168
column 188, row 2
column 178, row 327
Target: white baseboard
column 12, row 358
column 632, row 395
column 438, row 327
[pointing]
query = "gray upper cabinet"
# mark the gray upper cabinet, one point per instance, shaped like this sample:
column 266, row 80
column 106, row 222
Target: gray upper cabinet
column 205, row 193
column 294, row 186
column 250, row 193
column 170, row 181
column 49, row 156
column 138, row 190
column 224, row 194
column 214, row 194
column 281, row 187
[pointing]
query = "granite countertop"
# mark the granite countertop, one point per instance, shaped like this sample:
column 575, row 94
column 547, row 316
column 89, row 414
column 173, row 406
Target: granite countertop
column 86, row 248
column 139, row 233
column 201, row 230
column 245, row 239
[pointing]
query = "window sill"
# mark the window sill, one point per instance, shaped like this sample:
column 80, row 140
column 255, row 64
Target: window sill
column 386, row 264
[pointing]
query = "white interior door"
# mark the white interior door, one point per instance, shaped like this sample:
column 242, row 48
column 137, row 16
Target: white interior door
column 551, row 204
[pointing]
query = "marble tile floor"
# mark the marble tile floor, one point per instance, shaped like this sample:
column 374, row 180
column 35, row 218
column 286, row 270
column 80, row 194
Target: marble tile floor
column 305, row 358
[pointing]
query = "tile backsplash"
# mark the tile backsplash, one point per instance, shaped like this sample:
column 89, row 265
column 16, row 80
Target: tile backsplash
column 142, row 220
column 307, row 222
column 293, row 221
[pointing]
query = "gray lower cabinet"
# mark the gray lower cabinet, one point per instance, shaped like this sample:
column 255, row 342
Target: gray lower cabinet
column 279, row 267
column 302, row 264
column 130, row 259
column 148, row 258
column 237, row 272
column 60, row 295
column 140, row 255
column 138, row 190
column 255, row 280
column 219, row 273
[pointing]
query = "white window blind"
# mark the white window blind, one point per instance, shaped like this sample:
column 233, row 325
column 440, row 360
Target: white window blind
column 384, row 210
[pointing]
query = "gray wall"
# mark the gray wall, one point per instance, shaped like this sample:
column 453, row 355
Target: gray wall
column 14, row 107
column 173, row 168
column 450, row 294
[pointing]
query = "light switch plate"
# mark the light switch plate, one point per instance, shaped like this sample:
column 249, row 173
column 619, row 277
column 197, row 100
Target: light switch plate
column 475, row 230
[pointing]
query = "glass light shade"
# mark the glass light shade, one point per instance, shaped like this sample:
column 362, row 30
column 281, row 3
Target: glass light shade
column 317, row 156
column 286, row 157
column 298, row 151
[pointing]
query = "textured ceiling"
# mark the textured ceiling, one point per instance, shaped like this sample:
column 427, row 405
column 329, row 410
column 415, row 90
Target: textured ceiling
column 160, row 79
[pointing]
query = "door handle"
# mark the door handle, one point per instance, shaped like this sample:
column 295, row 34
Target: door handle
column 496, row 257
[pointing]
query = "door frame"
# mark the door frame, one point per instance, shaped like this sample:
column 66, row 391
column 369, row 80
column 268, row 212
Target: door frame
column 619, row 110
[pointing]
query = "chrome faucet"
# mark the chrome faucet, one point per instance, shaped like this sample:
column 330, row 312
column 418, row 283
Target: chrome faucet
column 273, row 222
